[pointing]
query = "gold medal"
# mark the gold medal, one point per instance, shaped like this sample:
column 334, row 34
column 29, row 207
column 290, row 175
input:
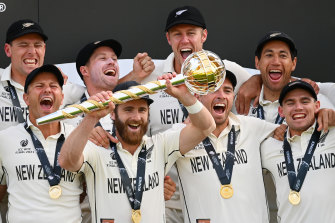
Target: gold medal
column 136, row 216
column 55, row 191
column 294, row 197
column 226, row 191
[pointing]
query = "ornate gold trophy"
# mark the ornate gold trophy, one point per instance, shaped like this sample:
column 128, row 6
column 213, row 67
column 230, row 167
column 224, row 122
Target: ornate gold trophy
column 203, row 72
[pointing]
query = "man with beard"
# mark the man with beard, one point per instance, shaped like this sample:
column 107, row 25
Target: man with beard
column 125, row 181
column 97, row 65
column 186, row 32
column 303, row 165
column 39, row 190
column 226, row 166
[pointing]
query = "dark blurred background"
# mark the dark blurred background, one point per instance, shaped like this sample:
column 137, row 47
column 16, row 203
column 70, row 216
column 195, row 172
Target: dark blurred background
column 234, row 28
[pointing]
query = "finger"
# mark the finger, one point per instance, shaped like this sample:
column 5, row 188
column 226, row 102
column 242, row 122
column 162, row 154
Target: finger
column 237, row 104
column 114, row 140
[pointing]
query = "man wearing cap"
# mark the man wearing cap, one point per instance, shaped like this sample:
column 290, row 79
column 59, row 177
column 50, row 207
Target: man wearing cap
column 111, row 174
column 186, row 33
column 25, row 45
column 221, row 178
column 39, row 190
column 276, row 59
column 97, row 65
column 303, row 166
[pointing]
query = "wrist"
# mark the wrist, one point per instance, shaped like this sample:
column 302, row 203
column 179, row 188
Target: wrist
column 195, row 108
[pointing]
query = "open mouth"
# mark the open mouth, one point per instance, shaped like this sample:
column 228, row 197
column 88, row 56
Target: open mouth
column 275, row 74
column 110, row 72
column 30, row 62
column 298, row 116
column 134, row 126
column 46, row 103
column 219, row 108
column 185, row 53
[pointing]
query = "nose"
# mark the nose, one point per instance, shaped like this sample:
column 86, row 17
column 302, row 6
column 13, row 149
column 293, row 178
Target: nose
column 275, row 59
column 184, row 38
column 111, row 61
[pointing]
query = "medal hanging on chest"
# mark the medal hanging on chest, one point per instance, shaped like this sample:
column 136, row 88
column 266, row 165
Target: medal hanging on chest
column 134, row 196
column 224, row 174
column 53, row 174
column 296, row 181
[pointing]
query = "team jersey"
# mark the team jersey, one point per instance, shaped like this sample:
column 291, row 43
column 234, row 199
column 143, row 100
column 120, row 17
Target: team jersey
column 28, row 187
column 166, row 110
column 8, row 115
column 106, row 192
column 317, row 201
column 200, row 185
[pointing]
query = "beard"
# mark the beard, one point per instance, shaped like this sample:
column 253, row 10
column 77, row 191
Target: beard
column 132, row 138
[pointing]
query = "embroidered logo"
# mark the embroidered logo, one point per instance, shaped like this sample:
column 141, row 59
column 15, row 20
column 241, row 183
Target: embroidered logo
column 24, row 142
column 27, row 24
column 180, row 12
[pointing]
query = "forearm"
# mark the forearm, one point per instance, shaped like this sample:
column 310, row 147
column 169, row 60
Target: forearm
column 131, row 76
column 71, row 156
column 201, row 125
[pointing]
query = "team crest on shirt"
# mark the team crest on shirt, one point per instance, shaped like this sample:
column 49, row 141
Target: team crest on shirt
column 149, row 152
column 322, row 139
column 24, row 142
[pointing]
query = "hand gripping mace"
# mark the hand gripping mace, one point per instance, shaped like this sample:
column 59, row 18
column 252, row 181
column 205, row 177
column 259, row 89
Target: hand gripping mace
column 203, row 72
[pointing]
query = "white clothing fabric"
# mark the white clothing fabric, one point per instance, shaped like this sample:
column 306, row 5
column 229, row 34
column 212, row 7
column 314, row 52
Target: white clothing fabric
column 28, row 187
column 317, row 202
column 200, row 185
column 8, row 116
column 107, row 196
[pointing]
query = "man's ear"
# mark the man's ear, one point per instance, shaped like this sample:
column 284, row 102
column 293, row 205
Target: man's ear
column 204, row 35
column 317, row 107
column 84, row 70
column 8, row 50
column 281, row 111
column 257, row 62
column 25, row 98
column 168, row 38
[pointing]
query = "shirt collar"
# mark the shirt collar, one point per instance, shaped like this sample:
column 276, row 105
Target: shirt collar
column 169, row 64
column 38, row 131
column 263, row 101
column 233, row 120
column 309, row 131
column 6, row 76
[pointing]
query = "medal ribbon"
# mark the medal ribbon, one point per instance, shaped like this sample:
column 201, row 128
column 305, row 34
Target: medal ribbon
column 16, row 103
column 225, row 174
column 135, row 198
column 294, row 180
column 53, row 175
column 260, row 115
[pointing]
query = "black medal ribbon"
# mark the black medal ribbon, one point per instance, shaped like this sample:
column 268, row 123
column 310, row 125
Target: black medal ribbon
column 224, row 174
column 294, row 180
column 16, row 103
column 260, row 115
column 134, row 197
column 53, row 174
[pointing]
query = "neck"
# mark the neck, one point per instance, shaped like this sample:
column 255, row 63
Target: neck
column 129, row 147
column 270, row 95
column 176, row 66
column 48, row 129
column 18, row 77
column 220, row 128
column 92, row 90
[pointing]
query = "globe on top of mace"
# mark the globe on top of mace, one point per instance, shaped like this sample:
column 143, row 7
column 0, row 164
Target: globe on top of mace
column 204, row 72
